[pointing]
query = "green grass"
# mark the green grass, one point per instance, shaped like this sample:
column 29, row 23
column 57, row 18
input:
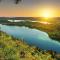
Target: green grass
column 14, row 49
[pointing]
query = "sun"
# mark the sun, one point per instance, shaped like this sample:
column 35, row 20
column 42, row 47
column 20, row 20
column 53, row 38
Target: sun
column 46, row 13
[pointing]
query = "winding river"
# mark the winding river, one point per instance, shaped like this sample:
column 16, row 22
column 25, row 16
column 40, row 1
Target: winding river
column 32, row 37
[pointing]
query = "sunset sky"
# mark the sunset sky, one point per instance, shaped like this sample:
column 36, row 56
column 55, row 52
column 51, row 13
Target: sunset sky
column 30, row 8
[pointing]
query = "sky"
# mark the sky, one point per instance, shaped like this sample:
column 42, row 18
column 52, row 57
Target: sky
column 30, row 8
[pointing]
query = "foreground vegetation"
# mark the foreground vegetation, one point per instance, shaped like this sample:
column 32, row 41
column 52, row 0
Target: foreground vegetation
column 14, row 49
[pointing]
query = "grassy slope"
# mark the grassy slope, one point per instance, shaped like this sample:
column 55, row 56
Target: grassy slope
column 14, row 49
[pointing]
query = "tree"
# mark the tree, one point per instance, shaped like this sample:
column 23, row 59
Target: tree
column 16, row 1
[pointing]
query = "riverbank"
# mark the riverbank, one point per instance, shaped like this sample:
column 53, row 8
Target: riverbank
column 14, row 49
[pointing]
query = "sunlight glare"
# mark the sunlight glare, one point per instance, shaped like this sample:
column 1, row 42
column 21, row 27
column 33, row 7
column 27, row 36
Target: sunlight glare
column 47, row 13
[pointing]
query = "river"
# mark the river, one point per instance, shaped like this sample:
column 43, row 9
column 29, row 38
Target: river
column 32, row 37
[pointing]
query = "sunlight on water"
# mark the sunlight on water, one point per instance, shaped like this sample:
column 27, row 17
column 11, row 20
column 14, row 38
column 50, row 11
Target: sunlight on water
column 42, row 22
